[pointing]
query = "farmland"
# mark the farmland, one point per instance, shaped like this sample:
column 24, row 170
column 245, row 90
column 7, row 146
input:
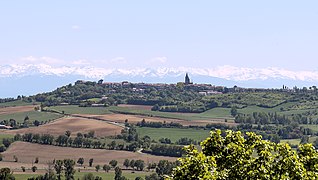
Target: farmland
column 120, row 118
column 27, row 152
column 73, row 109
column 153, row 129
column 79, row 175
column 173, row 134
column 75, row 125
column 16, row 103
column 33, row 115
column 171, row 115
column 15, row 109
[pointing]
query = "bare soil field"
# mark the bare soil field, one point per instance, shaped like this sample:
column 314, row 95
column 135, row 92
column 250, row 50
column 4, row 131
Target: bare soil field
column 27, row 152
column 135, row 107
column 134, row 119
column 74, row 125
column 16, row 109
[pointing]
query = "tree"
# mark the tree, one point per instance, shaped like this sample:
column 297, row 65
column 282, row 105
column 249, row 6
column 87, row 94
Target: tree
column 26, row 118
column 88, row 176
column 315, row 143
column 126, row 163
column 69, row 168
column 118, row 173
column 233, row 111
column 112, row 145
column 68, row 133
column 164, row 167
column 235, row 156
column 153, row 176
column 106, row 167
column 90, row 162
column 80, row 161
column 34, row 168
column 15, row 158
column 91, row 176
column 97, row 168
column 36, row 123
column 58, row 166
column 113, row 163
column 132, row 164
column 50, row 170
column 100, row 81
column 139, row 178
column 6, row 142
column 23, row 168
column 304, row 139
column 36, row 160
column 91, row 134
column 139, row 164
column 6, row 174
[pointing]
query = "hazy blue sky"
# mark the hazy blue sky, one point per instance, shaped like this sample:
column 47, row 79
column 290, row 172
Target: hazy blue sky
column 165, row 33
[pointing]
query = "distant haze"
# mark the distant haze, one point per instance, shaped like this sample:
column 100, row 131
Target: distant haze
column 31, row 79
column 248, row 43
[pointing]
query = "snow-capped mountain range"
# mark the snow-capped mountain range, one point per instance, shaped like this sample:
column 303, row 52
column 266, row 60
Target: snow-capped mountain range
column 30, row 79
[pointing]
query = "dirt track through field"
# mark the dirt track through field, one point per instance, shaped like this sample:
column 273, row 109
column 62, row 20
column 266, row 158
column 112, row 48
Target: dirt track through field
column 16, row 109
column 27, row 152
column 74, row 125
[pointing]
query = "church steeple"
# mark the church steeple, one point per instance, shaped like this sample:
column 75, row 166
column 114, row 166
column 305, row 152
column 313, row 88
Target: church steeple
column 186, row 79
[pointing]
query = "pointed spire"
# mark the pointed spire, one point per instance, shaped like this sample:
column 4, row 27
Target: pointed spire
column 186, row 79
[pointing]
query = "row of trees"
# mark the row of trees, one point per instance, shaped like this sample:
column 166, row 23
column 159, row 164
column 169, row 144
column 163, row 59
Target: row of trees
column 25, row 124
column 165, row 150
column 273, row 118
column 144, row 123
column 58, row 168
column 78, row 142
column 138, row 165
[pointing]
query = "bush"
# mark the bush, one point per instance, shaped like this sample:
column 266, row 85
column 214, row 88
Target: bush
column 34, row 168
column 235, row 156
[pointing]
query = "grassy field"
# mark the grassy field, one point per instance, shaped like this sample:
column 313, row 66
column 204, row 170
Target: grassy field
column 313, row 127
column 217, row 113
column 15, row 103
column 125, row 110
column 79, row 175
column 291, row 141
column 173, row 134
column 33, row 115
column 73, row 109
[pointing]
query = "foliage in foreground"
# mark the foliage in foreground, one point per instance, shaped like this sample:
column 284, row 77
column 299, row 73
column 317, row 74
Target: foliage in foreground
column 233, row 156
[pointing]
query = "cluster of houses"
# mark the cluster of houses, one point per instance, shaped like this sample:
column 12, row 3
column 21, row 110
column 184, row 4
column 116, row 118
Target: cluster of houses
column 203, row 89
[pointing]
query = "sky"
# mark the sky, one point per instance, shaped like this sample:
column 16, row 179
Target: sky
column 165, row 33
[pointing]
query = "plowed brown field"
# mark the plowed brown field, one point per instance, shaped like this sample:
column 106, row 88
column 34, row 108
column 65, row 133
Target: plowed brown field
column 11, row 110
column 27, row 152
column 74, row 125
